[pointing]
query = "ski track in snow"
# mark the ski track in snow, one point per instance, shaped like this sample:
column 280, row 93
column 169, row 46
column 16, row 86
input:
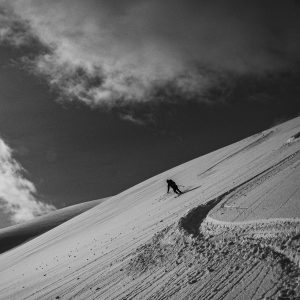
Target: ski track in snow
column 234, row 235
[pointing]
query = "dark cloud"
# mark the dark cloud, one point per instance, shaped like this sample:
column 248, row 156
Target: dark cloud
column 107, row 52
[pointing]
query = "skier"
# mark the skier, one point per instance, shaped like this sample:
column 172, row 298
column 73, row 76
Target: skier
column 174, row 186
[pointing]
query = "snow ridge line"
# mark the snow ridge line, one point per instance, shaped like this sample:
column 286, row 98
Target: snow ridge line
column 263, row 137
column 191, row 222
column 260, row 221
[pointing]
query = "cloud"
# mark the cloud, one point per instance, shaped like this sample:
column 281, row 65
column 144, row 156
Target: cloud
column 13, row 30
column 111, row 52
column 129, row 117
column 17, row 194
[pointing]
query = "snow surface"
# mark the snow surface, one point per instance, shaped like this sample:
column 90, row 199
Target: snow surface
column 15, row 235
column 234, row 235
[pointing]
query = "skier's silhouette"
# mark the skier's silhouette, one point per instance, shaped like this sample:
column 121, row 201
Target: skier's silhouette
column 174, row 186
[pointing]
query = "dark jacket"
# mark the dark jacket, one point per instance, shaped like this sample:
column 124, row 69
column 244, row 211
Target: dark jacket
column 171, row 184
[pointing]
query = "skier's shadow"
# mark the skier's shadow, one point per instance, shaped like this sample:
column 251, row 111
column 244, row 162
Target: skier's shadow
column 191, row 189
column 185, row 190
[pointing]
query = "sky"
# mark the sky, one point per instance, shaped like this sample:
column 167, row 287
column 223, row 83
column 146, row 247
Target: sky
column 96, row 96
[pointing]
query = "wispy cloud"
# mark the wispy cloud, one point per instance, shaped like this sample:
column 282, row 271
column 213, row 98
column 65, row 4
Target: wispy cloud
column 108, row 52
column 129, row 117
column 17, row 194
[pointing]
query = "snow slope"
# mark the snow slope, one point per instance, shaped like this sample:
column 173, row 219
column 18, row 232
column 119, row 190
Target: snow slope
column 15, row 235
column 234, row 235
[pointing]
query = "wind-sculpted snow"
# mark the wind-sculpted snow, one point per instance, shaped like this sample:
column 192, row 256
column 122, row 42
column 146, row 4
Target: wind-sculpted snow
column 219, row 261
column 234, row 234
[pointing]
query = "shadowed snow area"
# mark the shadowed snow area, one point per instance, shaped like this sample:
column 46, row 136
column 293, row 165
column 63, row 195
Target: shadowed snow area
column 234, row 234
